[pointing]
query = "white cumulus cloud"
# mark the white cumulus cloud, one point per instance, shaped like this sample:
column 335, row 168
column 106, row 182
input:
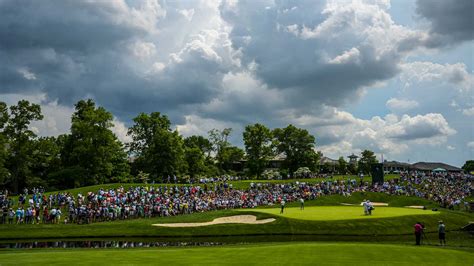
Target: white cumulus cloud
column 395, row 104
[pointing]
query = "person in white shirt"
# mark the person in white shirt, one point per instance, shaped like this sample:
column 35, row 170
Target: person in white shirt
column 366, row 207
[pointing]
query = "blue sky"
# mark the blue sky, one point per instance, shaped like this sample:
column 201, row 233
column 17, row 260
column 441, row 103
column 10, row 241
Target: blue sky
column 395, row 77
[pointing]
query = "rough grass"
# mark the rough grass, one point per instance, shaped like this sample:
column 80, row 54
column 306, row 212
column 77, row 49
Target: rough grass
column 331, row 213
column 268, row 254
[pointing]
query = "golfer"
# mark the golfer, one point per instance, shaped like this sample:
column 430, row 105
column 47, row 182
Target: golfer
column 442, row 233
column 366, row 207
column 370, row 207
column 418, row 232
column 282, row 204
column 301, row 203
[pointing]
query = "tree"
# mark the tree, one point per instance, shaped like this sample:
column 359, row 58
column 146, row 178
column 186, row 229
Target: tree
column 93, row 147
column 4, row 172
column 20, row 139
column 45, row 160
column 195, row 161
column 200, row 142
column 352, row 168
column 219, row 143
column 159, row 150
column 196, row 149
column 229, row 155
column 143, row 177
column 366, row 160
column 258, row 147
column 468, row 166
column 298, row 146
column 341, row 166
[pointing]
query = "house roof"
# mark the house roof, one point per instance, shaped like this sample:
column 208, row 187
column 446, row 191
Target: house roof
column 430, row 166
column 325, row 159
column 396, row 164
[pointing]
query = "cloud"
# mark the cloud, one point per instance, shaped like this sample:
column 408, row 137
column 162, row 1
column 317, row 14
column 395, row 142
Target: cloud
column 120, row 130
column 429, row 126
column 470, row 145
column 395, row 104
column 128, row 56
column 468, row 111
column 302, row 47
column 341, row 133
column 216, row 64
column 451, row 21
column 456, row 74
column 72, row 25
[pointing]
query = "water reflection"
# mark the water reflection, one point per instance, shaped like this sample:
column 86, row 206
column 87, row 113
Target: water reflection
column 104, row 244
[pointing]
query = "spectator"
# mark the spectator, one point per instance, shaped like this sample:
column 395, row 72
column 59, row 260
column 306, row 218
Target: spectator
column 442, row 233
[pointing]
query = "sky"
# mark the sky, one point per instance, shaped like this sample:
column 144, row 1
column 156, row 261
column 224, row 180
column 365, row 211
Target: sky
column 395, row 77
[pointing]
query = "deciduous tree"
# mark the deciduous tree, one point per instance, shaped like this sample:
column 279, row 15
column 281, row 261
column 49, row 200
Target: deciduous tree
column 366, row 160
column 20, row 141
column 258, row 147
column 298, row 146
column 158, row 150
column 92, row 147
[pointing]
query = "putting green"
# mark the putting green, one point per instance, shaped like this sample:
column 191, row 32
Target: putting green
column 325, row 213
column 262, row 254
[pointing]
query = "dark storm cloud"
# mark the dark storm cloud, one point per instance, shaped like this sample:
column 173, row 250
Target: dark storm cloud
column 64, row 25
column 314, row 68
column 451, row 21
column 72, row 50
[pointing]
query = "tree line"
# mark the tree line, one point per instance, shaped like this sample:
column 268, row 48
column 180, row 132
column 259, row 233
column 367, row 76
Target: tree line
column 92, row 154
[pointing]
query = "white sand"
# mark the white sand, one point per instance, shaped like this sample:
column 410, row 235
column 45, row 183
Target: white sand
column 237, row 219
column 377, row 204
column 415, row 207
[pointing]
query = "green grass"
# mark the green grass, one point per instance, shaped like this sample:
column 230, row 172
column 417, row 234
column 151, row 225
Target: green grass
column 267, row 254
column 331, row 213
column 388, row 230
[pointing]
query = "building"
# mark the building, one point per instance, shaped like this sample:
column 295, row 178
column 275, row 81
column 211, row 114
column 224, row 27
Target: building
column 395, row 167
column 430, row 167
column 274, row 163
column 353, row 159
column 327, row 164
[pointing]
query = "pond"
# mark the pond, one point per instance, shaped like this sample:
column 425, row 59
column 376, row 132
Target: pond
column 102, row 244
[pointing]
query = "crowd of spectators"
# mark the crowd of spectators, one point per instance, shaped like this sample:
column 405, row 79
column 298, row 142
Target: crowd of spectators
column 35, row 206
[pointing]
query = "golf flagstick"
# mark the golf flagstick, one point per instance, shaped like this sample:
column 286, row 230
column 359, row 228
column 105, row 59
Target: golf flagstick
column 425, row 238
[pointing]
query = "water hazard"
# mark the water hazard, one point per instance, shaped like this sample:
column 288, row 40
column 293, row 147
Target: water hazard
column 104, row 244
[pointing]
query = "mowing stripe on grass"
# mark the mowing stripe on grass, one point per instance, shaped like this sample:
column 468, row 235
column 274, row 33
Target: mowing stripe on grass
column 329, row 213
column 264, row 254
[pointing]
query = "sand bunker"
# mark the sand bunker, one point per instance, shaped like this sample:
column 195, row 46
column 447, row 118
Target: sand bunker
column 373, row 204
column 237, row 219
column 415, row 207
column 377, row 204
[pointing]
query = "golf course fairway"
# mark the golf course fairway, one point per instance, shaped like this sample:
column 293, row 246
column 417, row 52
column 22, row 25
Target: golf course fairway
column 268, row 254
column 331, row 213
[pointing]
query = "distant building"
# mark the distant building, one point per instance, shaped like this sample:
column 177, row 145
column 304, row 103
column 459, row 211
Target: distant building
column 395, row 167
column 277, row 161
column 274, row 163
column 430, row 167
column 330, row 164
column 353, row 159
